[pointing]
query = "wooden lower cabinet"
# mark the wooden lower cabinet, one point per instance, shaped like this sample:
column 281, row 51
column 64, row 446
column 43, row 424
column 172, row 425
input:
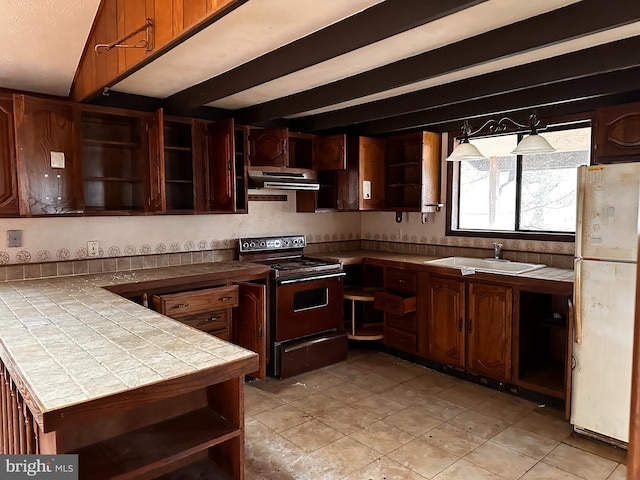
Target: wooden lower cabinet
column 468, row 326
column 445, row 324
column 235, row 313
column 489, row 322
column 398, row 301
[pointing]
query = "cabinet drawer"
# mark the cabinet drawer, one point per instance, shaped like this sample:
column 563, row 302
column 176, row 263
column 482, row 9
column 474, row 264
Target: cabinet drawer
column 211, row 322
column 394, row 303
column 401, row 340
column 406, row 322
column 398, row 279
column 179, row 305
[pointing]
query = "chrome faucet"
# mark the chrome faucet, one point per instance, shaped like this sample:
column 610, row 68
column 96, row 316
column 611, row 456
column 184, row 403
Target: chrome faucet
column 497, row 247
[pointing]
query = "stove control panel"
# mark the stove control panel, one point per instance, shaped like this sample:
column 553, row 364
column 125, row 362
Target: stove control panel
column 269, row 244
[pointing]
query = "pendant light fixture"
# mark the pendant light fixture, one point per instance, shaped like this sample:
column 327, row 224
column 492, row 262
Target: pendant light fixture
column 532, row 144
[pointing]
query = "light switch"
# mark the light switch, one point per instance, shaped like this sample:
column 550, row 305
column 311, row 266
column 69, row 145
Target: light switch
column 57, row 159
column 366, row 189
column 14, row 238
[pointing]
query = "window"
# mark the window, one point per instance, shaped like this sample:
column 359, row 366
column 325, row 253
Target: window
column 517, row 194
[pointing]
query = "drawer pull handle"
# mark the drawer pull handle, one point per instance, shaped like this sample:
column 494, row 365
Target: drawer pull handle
column 212, row 319
column 224, row 299
column 181, row 305
column 401, row 280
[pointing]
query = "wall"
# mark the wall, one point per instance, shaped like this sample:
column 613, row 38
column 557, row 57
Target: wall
column 61, row 239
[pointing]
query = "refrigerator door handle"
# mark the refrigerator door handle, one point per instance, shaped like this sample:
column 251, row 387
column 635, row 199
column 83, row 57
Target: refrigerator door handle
column 577, row 304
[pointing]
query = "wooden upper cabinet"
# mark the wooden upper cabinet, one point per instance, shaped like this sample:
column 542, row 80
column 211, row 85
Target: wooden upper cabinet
column 489, row 327
column 616, row 134
column 413, row 172
column 47, row 160
column 8, row 179
column 445, row 319
column 172, row 21
column 268, row 147
column 116, row 171
column 371, row 159
column 329, row 152
column 181, row 168
column 221, row 141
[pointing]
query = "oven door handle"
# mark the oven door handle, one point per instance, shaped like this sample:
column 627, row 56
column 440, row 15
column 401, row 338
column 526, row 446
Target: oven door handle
column 310, row 278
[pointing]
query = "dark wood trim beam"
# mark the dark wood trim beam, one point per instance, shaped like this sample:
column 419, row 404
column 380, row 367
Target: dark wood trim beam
column 589, row 87
column 592, row 61
column 383, row 20
column 573, row 21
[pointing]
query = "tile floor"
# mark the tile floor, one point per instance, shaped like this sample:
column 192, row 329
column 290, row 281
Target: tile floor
column 377, row 417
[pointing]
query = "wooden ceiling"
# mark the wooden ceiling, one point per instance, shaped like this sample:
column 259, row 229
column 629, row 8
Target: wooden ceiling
column 397, row 65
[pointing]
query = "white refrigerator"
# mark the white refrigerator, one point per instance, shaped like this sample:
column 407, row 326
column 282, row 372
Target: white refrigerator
column 604, row 299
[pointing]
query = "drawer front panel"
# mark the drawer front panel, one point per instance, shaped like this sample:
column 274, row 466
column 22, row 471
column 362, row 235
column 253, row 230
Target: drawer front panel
column 398, row 279
column 406, row 322
column 179, row 305
column 394, row 303
column 210, row 322
column 401, row 340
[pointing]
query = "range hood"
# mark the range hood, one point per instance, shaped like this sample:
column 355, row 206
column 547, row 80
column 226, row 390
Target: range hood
column 283, row 180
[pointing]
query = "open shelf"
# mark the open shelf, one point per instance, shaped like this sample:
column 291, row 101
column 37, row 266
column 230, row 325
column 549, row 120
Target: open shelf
column 548, row 379
column 542, row 343
column 156, row 449
column 177, row 148
column 201, row 469
column 113, row 159
column 178, row 165
column 110, row 143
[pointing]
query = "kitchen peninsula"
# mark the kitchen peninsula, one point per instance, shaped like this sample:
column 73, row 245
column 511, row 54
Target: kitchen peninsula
column 131, row 391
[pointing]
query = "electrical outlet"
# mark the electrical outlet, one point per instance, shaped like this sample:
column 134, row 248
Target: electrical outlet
column 14, row 238
column 93, row 248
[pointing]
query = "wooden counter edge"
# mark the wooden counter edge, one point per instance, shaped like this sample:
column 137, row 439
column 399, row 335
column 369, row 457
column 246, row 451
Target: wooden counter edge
column 93, row 408
column 83, row 411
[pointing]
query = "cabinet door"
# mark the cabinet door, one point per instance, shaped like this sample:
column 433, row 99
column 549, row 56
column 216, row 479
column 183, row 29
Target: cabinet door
column 45, row 137
column 268, row 147
column 445, row 320
column 221, row 141
column 250, row 323
column 489, row 320
column 329, row 152
column 8, row 185
column 617, row 133
column 371, row 157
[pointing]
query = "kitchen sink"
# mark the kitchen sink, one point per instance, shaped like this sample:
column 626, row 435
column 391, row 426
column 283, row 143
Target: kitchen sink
column 485, row 264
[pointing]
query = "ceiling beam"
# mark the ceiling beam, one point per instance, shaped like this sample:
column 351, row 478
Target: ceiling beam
column 381, row 21
column 573, row 21
column 592, row 61
column 610, row 83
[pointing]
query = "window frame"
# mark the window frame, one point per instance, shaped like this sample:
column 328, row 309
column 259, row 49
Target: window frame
column 453, row 193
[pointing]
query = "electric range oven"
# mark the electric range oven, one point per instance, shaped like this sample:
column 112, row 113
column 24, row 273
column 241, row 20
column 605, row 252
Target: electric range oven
column 306, row 306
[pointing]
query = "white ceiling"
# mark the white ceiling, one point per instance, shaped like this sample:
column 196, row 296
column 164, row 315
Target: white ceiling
column 42, row 41
column 252, row 30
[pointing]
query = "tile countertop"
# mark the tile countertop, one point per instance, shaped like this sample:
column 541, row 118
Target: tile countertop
column 350, row 257
column 72, row 341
